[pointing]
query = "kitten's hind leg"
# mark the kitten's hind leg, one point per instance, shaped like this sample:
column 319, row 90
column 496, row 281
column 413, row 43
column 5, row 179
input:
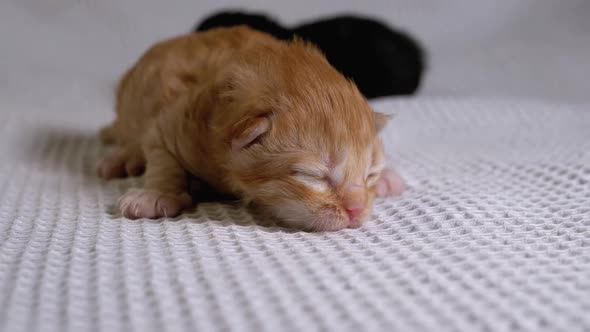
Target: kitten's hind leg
column 107, row 135
column 123, row 162
column 165, row 189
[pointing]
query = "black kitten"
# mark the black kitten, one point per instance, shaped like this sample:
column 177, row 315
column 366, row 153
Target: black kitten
column 255, row 21
column 381, row 61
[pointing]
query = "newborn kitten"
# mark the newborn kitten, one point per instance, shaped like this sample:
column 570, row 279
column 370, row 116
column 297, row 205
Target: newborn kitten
column 265, row 120
column 380, row 60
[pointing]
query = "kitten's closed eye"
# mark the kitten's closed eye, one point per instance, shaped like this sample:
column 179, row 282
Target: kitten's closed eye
column 315, row 181
column 372, row 178
column 374, row 173
column 311, row 170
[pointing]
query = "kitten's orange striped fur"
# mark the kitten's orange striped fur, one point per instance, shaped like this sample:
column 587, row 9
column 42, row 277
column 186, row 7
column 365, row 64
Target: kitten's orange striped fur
column 268, row 121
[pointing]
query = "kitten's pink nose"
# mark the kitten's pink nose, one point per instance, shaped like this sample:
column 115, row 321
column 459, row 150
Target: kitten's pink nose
column 354, row 202
column 354, row 212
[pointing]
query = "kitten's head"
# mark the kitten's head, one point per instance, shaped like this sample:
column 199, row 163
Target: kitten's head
column 306, row 145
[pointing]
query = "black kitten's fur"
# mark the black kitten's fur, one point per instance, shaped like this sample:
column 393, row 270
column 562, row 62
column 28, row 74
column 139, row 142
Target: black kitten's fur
column 255, row 21
column 382, row 62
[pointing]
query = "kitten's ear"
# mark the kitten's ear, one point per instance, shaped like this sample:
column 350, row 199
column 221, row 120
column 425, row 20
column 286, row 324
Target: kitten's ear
column 247, row 131
column 381, row 120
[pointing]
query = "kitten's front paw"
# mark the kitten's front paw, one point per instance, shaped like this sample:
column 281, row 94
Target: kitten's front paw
column 390, row 184
column 142, row 203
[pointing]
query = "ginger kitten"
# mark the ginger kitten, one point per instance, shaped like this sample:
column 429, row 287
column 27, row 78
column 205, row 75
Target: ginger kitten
column 268, row 121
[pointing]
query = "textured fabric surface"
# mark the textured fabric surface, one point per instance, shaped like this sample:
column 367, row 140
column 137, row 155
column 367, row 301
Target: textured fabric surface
column 493, row 235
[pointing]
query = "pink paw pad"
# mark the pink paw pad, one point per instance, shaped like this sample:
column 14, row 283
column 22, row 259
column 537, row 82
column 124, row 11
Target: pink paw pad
column 141, row 203
column 390, row 184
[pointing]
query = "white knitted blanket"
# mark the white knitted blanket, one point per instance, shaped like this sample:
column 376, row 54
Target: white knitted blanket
column 493, row 235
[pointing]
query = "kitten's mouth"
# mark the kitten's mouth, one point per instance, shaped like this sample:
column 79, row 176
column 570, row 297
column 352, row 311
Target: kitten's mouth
column 333, row 221
column 319, row 223
column 324, row 219
column 355, row 223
